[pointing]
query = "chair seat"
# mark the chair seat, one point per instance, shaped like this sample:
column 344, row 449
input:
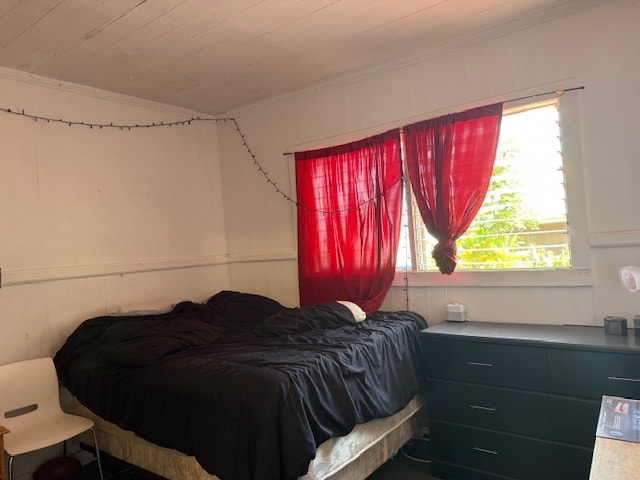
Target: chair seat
column 41, row 431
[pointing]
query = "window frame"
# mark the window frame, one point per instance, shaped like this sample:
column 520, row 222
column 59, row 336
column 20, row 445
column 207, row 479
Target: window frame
column 580, row 272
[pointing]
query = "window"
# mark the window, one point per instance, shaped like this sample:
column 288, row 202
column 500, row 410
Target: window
column 522, row 224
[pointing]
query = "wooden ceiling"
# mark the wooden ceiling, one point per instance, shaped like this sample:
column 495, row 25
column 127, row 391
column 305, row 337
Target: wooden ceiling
column 213, row 56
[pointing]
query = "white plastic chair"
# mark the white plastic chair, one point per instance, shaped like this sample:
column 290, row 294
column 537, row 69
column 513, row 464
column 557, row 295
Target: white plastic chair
column 30, row 409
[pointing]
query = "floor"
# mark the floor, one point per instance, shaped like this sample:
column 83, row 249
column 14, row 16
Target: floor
column 400, row 467
column 111, row 472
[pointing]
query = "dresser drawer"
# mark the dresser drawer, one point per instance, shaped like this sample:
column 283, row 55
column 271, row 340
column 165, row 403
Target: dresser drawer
column 491, row 452
column 593, row 374
column 572, row 463
column 574, row 420
column 494, row 408
column 492, row 364
column 446, row 471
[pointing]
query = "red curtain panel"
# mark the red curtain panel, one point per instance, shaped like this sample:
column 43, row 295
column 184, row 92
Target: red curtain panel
column 449, row 163
column 349, row 202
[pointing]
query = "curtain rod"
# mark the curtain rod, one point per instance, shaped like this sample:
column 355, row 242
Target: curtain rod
column 554, row 92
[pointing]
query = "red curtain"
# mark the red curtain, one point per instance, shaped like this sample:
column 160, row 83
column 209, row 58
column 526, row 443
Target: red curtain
column 449, row 162
column 349, row 214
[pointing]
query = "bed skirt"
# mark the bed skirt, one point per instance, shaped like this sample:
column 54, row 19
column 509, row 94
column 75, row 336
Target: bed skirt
column 351, row 457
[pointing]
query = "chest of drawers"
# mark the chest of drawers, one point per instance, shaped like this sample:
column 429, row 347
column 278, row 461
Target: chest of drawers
column 521, row 401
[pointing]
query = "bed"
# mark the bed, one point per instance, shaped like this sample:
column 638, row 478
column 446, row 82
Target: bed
column 241, row 387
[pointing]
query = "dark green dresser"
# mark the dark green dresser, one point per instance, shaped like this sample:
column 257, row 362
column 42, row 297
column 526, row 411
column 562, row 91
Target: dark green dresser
column 515, row 401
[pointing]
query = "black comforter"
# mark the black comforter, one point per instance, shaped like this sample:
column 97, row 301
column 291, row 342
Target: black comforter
column 247, row 386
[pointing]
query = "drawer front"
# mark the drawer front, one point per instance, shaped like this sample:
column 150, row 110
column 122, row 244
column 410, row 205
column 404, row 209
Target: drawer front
column 571, row 463
column 445, row 471
column 512, row 411
column 492, row 364
column 573, row 420
column 491, row 452
column 593, row 374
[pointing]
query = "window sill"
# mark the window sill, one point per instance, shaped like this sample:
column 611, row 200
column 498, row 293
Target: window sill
column 490, row 278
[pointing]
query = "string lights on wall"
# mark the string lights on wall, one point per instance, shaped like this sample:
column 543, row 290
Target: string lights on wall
column 189, row 121
column 250, row 153
column 71, row 123
column 256, row 163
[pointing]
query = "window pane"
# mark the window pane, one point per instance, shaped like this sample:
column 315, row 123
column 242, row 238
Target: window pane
column 403, row 259
column 522, row 223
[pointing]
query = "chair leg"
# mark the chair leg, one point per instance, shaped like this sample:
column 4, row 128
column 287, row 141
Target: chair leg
column 10, row 473
column 95, row 444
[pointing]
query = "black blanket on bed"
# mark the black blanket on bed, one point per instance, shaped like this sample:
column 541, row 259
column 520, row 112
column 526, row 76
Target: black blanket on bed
column 247, row 386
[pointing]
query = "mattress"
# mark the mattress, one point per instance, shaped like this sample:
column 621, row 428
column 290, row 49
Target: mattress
column 351, row 457
column 248, row 387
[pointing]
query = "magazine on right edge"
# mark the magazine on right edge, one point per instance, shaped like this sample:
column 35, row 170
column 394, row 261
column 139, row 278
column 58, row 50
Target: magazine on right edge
column 619, row 419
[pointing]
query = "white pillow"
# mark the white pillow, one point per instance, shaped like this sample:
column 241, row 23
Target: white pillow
column 142, row 309
column 358, row 314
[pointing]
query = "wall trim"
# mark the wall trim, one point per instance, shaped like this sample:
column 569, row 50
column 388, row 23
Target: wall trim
column 69, row 272
column 578, row 277
column 621, row 238
column 284, row 256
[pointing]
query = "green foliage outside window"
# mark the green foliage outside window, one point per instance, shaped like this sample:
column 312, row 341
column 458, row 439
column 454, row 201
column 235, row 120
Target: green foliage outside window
column 499, row 236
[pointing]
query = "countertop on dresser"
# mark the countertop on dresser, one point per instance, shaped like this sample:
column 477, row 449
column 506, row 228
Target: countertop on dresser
column 517, row 333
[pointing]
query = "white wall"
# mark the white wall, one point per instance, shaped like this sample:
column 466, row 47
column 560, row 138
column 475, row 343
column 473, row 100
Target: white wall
column 100, row 220
column 597, row 48
column 96, row 220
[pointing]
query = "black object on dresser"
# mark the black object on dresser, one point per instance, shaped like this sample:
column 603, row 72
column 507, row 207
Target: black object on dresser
column 516, row 401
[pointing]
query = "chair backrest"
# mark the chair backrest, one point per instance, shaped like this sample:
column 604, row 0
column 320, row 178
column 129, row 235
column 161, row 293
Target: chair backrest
column 29, row 389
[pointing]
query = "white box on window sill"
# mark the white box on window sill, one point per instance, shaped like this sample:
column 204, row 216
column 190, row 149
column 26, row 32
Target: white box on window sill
column 456, row 312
